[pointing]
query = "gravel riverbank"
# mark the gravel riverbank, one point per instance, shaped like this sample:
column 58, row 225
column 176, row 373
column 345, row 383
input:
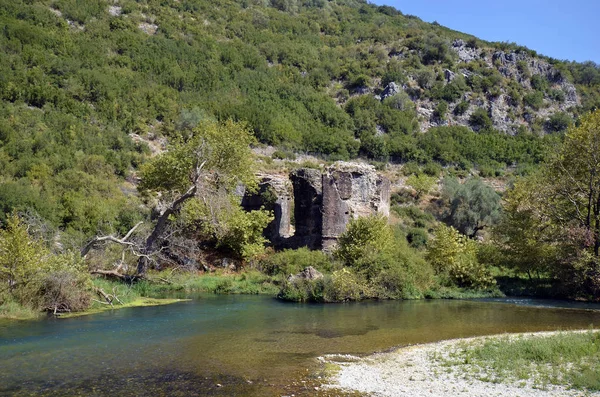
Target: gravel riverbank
column 420, row 370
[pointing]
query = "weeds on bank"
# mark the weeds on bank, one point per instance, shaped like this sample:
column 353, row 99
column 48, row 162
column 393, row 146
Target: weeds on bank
column 567, row 359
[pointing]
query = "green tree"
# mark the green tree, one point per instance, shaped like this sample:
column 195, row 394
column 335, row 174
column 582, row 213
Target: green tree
column 525, row 233
column 471, row 206
column 364, row 238
column 209, row 164
column 22, row 260
column 422, row 184
column 454, row 255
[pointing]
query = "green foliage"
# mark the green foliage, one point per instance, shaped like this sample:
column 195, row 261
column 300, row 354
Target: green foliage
column 471, row 206
column 22, row 261
column 221, row 149
column 566, row 359
column 534, row 100
column 363, row 237
column 289, row 262
column 220, row 219
column 552, row 220
column 558, row 122
column 461, row 108
column 455, row 256
column 34, row 277
column 422, row 184
column 480, row 120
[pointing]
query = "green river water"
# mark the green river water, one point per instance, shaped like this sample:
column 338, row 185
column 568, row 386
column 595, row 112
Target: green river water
column 242, row 345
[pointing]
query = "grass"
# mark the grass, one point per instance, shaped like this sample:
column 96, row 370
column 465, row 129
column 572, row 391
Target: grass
column 463, row 293
column 139, row 302
column 570, row 359
column 15, row 311
column 249, row 282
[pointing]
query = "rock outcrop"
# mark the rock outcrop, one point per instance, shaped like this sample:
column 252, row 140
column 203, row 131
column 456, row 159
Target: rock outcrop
column 310, row 273
column 508, row 114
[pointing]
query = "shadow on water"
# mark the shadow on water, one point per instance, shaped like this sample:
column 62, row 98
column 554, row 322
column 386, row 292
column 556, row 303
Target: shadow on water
column 240, row 345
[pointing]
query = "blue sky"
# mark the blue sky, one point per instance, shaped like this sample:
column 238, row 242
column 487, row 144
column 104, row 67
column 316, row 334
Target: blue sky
column 557, row 28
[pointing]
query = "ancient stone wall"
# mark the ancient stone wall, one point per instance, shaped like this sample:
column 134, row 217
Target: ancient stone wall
column 350, row 191
column 274, row 193
column 323, row 203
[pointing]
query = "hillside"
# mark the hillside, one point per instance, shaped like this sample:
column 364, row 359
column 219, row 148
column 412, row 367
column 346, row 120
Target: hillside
column 89, row 88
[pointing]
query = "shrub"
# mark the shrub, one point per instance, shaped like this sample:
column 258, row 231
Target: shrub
column 65, row 290
column 455, row 256
column 343, row 285
column 480, row 120
column 290, row 261
column 534, row 100
column 461, row 108
column 440, row 111
column 432, row 169
column 558, row 122
column 539, row 83
column 363, row 237
column 411, row 168
column 557, row 95
column 402, row 196
column 417, row 237
column 422, row 184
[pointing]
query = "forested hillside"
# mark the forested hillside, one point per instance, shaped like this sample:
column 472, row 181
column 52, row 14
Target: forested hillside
column 85, row 83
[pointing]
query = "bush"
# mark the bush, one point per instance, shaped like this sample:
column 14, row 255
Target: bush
column 440, row 111
column 557, row 95
column 558, row 122
column 422, row 184
column 534, row 100
column 363, row 237
column 432, row 169
column 289, row 262
column 453, row 255
column 417, row 237
column 411, row 168
column 461, row 108
column 65, row 290
column 402, row 196
column 480, row 120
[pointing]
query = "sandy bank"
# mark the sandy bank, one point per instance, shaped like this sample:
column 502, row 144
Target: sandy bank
column 419, row 371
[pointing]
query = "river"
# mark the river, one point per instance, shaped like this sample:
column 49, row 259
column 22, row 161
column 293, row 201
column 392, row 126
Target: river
column 242, row 345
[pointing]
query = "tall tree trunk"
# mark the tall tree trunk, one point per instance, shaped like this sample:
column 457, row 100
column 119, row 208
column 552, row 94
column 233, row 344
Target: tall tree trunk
column 597, row 226
column 159, row 229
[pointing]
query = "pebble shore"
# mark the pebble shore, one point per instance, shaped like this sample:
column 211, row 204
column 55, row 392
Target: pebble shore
column 411, row 371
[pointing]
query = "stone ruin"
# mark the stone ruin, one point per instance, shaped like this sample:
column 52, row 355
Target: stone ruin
column 322, row 203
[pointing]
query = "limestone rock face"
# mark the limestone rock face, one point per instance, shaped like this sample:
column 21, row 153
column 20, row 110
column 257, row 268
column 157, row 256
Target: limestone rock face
column 308, row 199
column 390, row 90
column 310, row 273
column 350, row 191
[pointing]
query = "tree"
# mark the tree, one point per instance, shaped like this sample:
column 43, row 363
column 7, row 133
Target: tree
column 455, row 256
column 206, row 163
column 525, row 233
column 553, row 217
column 480, row 120
column 22, row 259
column 364, row 238
column 471, row 206
column 421, row 183
column 214, row 158
column 573, row 178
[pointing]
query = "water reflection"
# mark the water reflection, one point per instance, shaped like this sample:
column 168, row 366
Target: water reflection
column 238, row 345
